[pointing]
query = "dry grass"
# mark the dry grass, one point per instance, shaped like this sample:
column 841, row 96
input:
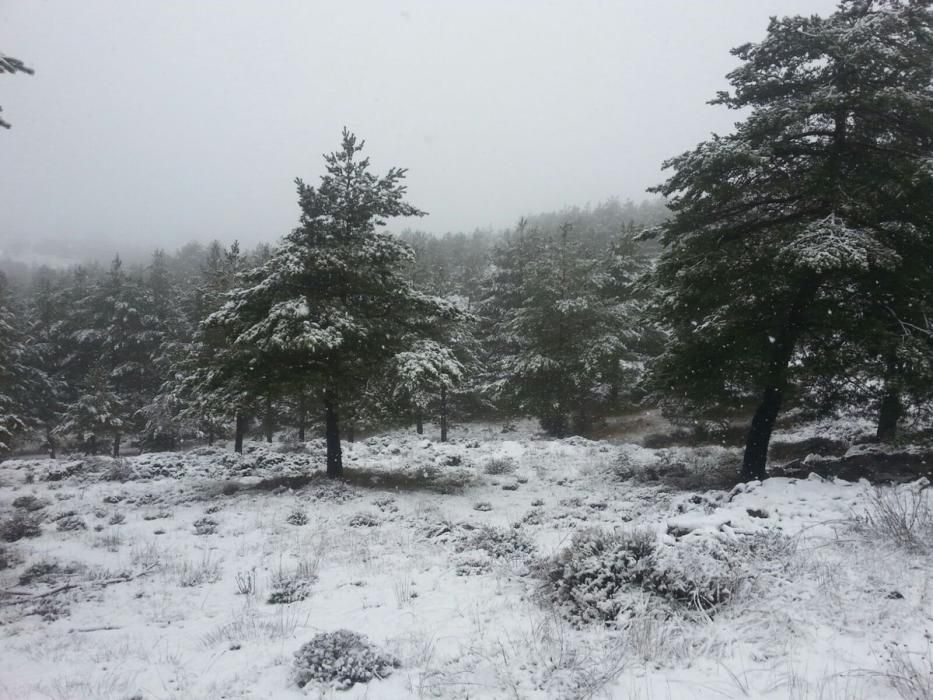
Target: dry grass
column 899, row 515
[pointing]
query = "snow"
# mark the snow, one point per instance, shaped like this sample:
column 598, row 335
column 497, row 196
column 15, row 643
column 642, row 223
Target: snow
column 392, row 554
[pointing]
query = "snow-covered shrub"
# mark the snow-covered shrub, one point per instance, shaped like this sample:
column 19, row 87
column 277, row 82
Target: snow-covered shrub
column 29, row 503
column 8, row 558
column 364, row 520
column 205, row 526
column 500, row 543
column 342, row 658
column 291, row 587
column 499, row 465
column 702, row 573
column 117, row 519
column 297, row 517
column 117, row 470
column 483, row 506
column 70, row 523
column 19, row 525
column 472, row 562
column 47, row 572
column 585, row 579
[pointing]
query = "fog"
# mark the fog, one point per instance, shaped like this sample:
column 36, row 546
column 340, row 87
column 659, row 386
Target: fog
column 151, row 124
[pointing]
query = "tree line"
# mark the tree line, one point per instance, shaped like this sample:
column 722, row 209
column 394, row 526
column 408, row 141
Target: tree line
column 789, row 264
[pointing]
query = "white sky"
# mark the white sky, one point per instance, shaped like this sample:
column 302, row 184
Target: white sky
column 158, row 122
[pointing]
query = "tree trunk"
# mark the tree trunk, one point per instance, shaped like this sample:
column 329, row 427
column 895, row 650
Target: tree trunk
column 890, row 412
column 50, row 442
column 240, row 432
column 91, row 445
column 302, row 418
column 782, row 349
column 443, row 414
column 332, row 434
column 267, row 419
column 116, row 445
column 210, row 435
column 419, row 424
column 351, row 433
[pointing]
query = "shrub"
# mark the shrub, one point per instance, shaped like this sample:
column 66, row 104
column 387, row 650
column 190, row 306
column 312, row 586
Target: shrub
column 47, row 572
column 364, row 520
column 297, row 517
column 500, row 543
column 117, row 519
column 205, row 526
column 294, row 586
column 19, row 525
column 500, row 465
column 70, row 523
column 118, row 470
column 703, row 573
column 29, row 503
column 342, row 658
column 8, row 558
column 584, row 580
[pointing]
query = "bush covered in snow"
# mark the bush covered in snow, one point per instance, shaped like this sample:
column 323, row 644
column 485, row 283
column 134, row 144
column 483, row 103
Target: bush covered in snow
column 500, row 465
column 588, row 580
column 29, row 503
column 584, row 580
column 499, row 543
column 19, row 525
column 342, row 658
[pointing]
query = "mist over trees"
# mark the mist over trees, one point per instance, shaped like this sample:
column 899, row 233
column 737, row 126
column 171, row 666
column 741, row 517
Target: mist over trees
column 786, row 265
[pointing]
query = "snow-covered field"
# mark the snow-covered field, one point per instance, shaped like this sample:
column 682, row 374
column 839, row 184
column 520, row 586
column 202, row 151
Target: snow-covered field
column 151, row 577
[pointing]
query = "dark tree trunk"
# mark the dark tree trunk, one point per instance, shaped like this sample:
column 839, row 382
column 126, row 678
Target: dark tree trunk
column 332, row 434
column 116, row 445
column 267, row 419
column 302, row 418
column 443, row 414
column 419, row 424
column 889, row 414
column 351, row 433
column 50, row 442
column 210, row 435
column 92, row 445
column 782, row 349
column 240, row 432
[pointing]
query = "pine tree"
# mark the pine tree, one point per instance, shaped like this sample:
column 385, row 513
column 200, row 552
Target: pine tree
column 817, row 207
column 331, row 307
column 564, row 338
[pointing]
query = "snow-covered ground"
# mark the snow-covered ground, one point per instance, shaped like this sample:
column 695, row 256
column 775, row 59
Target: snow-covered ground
column 151, row 576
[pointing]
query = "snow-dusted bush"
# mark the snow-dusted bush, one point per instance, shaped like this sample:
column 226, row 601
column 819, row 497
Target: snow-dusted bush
column 500, row 543
column 364, row 520
column 293, row 586
column 118, row 470
column 500, row 465
column 19, row 525
column 29, row 503
column 342, row 658
column 297, row 517
column 70, row 523
column 585, row 579
column 205, row 526
column 701, row 573
column 472, row 562
column 588, row 580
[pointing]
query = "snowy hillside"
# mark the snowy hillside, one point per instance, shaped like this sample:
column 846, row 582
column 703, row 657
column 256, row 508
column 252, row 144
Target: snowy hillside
column 200, row 574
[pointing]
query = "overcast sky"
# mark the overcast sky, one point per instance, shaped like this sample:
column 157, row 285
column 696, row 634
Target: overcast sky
column 162, row 122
